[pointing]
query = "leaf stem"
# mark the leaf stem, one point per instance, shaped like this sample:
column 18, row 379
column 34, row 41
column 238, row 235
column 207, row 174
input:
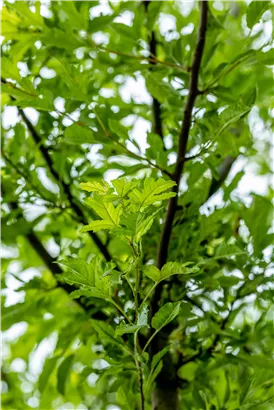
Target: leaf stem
column 140, row 379
column 120, row 310
column 150, row 339
column 149, row 292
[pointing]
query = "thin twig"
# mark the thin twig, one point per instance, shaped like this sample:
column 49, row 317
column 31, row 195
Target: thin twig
column 151, row 59
column 139, row 157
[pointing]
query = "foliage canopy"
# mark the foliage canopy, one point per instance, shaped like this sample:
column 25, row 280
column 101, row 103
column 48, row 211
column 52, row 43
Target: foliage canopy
column 137, row 271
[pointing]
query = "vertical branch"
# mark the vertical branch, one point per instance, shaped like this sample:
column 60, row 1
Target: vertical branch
column 156, row 107
column 158, row 129
column 183, row 137
column 166, row 392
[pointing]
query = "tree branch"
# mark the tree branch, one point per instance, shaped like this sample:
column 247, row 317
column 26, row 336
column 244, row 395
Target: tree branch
column 48, row 159
column 156, row 107
column 158, row 129
column 183, row 138
column 66, row 188
column 42, row 252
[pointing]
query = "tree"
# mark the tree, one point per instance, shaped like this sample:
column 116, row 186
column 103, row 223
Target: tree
column 124, row 283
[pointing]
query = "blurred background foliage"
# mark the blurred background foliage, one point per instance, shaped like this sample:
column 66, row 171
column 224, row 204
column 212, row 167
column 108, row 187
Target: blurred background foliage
column 92, row 91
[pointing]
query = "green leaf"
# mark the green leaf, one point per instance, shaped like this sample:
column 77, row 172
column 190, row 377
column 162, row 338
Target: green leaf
column 117, row 128
column 97, row 226
column 158, row 356
column 142, row 321
column 254, row 12
column 106, row 210
column 94, row 186
column 124, row 186
column 76, row 134
column 188, row 371
column 226, row 251
column 154, row 9
column 91, row 292
column 152, row 272
column 152, row 376
column 90, row 276
column 152, row 192
column 165, row 314
column 258, row 218
column 106, row 332
column 63, row 373
column 48, row 368
column 231, row 115
column 169, row 269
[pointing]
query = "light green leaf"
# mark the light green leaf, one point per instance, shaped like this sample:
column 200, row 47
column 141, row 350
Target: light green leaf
column 124, row 186
column 165, row 314
column 152, row 272
column 63, row 373
column 254, row 12
column 97, row 226
column 94, row 186
column 106, row 210
column 152, row 192
column 76, row 134
column 144, row 224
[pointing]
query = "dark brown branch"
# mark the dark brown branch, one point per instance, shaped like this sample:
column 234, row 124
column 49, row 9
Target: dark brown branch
column 78, row 211
column 158, row 129
column 156, row 107
column 183, row 138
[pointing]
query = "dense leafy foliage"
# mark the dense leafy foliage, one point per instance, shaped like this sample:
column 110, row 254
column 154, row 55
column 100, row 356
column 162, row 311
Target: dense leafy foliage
column 96, row 146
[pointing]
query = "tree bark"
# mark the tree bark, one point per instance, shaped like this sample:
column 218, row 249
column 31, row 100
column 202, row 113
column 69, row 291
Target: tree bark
column 165, row 395
column 165, row 398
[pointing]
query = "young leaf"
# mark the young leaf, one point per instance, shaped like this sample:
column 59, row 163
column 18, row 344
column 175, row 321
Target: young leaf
column 152, row 192
column 165, row 314
column 123, row 186
column 106, row 210
column 94, row 186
